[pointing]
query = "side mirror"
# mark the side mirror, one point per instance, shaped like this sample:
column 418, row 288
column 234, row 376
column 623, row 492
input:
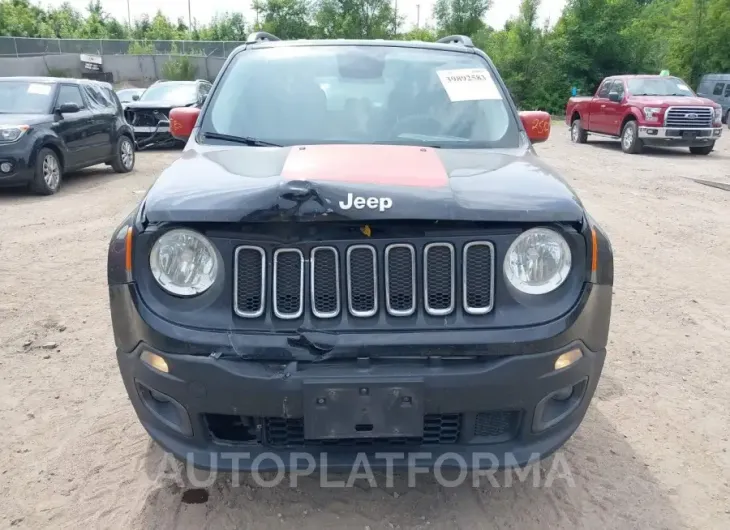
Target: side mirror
column 537, row 125
column 135, row 97
column 182, row 122
column 613, row 96
column 68, row 108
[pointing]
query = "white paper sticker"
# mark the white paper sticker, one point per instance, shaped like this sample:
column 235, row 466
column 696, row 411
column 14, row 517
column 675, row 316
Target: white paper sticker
column 683, row 87
column 469, row 84
column 43, row 90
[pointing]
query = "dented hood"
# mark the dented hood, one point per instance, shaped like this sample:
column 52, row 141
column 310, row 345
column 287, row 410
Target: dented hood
column 359, row 182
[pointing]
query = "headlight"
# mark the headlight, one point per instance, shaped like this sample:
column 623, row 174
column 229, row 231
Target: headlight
column 652, row 113
column 12, row 133
column 538, row 261
column 184, row 262
column 718, row 115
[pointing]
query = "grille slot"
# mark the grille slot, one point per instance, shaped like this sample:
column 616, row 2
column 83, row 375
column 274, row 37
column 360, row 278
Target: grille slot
column 288, row 288
column 250, row 281
column 362, row 280
column 478, row 277
column 325, row 282
column 438, row 429
column 400, row 279
column 438, row 278
column 499, row 425
column 689, row 117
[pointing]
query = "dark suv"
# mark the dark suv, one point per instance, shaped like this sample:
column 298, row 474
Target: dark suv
column 51, row 126
column 359, row 251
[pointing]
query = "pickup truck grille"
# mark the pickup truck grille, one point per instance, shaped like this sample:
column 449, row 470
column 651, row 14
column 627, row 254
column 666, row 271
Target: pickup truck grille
column 689, row 117
column 364, row 280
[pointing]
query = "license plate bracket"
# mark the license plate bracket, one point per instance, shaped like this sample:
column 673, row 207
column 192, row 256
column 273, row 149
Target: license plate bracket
column 362, row 409
column 690, row 134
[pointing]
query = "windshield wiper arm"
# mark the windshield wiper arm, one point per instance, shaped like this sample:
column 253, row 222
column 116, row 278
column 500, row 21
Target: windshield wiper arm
column 245, row 140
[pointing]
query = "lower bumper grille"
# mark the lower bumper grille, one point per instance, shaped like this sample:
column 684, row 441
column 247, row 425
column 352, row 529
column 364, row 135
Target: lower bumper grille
column 438, row 429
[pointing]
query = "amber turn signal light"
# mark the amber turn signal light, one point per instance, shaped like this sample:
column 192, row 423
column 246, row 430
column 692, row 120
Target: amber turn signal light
column 155, row 361
column 567, row 358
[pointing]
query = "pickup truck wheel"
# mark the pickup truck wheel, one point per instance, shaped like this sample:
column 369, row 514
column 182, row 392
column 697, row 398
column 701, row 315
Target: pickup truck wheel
column 578, row 135
column 702, row 150
column 630, row 141
column 727, row 119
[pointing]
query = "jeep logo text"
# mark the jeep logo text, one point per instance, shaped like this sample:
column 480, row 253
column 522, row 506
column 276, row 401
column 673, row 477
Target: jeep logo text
column 380, row 203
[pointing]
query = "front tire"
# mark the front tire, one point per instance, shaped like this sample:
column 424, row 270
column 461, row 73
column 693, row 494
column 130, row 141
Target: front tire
column 123, row 161
column 702, row 150
column 578, row 135
column 48, row 173
column 630, row 141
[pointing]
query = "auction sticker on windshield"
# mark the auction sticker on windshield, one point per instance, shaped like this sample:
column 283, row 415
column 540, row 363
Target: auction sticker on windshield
column 469, row 84
column 43, row 90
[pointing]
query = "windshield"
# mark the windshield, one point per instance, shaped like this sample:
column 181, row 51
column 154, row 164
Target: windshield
column 361, row 94
column 23, row 97
column 659, row 86
column 177, row 93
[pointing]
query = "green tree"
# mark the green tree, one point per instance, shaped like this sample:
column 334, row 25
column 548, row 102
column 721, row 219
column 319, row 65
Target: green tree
column 351, row 19
column 287, row 19
column 460, row 17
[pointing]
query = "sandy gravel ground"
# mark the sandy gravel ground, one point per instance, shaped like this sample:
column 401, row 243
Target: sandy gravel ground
column 652, row 453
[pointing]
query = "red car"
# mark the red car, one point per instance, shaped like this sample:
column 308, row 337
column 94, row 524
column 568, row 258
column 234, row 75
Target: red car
column 646, row 110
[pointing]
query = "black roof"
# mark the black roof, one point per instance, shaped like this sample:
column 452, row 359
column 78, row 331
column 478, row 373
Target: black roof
column 266, row 40
column 54, row 80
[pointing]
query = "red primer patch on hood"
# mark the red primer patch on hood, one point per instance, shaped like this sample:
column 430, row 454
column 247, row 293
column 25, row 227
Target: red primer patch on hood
column 393, row 165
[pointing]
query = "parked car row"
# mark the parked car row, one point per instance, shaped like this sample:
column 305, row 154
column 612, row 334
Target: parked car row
column 646, row 110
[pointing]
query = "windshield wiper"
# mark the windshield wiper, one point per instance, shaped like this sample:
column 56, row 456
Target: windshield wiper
column 245, row 140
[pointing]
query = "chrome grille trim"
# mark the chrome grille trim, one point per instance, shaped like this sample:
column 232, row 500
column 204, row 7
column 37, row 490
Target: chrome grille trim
column 260, row 311
column 313, row 301
column 430, row 310
column 300, row 309
column 412, row 309
column 675, row 117
column 354, row 312
column 465, row 273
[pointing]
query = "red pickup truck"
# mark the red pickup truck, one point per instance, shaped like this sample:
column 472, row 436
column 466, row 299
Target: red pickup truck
column 646, row 110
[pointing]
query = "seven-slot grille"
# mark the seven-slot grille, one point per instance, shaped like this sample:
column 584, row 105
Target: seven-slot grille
column 689, row 117
column 408, row 276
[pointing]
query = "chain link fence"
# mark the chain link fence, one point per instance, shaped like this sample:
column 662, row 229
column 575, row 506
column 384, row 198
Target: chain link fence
column 28, row 47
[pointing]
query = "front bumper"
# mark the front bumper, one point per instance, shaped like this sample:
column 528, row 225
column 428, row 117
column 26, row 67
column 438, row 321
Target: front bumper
column 19, row 155
column 228, row 413
column 679, row 137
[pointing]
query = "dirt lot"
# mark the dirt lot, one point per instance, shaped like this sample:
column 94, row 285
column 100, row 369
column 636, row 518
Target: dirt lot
column 652, row 453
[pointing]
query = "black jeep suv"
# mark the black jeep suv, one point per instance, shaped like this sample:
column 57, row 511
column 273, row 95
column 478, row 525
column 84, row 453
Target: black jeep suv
column 51, row 126
column 359, row 251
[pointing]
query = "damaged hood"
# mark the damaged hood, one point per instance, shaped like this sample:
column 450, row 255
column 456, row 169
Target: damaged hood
column 161, row 104
column 359, row 182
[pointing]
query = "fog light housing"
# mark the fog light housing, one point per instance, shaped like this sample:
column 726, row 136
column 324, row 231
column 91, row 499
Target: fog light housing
column 563, row 394
column 6, row 167
column 566, row 359
column 154, row 361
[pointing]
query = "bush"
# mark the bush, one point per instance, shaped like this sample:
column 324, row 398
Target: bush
column 57, row 72
column 141, row 48
column 179, row 69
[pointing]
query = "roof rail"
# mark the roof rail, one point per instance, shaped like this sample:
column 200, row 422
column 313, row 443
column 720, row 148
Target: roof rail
column 261, row 36
column 457, row 39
